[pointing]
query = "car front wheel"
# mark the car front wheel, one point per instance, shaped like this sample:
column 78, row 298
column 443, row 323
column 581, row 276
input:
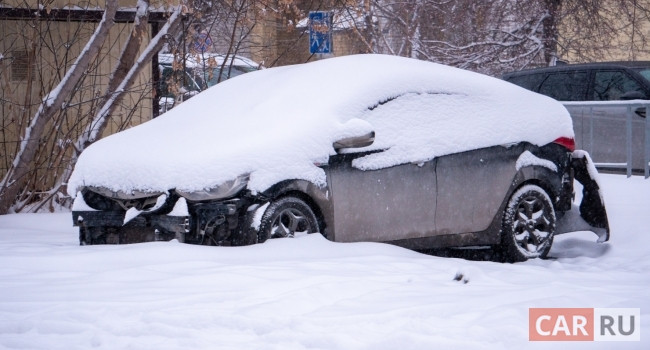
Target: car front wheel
column 528, row 224
column 287, row 217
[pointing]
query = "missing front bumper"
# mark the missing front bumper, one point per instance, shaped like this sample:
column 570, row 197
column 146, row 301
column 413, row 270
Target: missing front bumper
column 153, row 227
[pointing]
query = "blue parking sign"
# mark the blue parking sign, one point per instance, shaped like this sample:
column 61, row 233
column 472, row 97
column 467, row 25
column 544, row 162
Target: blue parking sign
column 320, row 32
column 202, row 42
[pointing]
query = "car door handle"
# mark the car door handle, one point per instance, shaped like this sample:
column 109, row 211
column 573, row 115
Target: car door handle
column 640, row 112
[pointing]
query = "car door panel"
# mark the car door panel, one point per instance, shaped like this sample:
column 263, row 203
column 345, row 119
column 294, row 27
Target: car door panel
column 471, row 187
column 382, row 205
column 609, row 137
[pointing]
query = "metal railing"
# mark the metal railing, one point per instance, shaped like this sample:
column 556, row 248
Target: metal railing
column 631, row 107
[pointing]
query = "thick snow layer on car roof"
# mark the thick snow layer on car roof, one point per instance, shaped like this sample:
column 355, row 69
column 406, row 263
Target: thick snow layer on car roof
column 277, row 123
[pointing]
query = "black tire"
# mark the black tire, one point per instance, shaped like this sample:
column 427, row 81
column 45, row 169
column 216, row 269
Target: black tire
column 286, row 217
column 528, row 224
column 246, row 234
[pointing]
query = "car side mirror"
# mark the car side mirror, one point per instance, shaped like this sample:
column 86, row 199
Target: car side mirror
column 355, row 141
column 633, row 95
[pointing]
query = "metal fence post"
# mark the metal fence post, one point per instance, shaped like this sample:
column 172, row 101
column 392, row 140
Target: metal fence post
column 646, row 158
column 591, row 129
column 640, row 149
column 628, row 141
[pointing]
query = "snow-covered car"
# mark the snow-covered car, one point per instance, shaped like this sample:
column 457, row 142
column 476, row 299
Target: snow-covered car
column 359, row 148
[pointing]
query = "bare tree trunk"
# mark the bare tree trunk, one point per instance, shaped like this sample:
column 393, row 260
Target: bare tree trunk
column 12, row 182
column 550, row 30
column 368, row 19
column 130, row 51
column 95, row 128
column 125, row 62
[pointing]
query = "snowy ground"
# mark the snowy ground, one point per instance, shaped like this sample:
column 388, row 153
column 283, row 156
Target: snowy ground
column 309, row 293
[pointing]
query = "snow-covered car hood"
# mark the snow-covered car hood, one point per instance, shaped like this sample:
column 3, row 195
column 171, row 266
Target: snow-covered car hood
column 278, row 123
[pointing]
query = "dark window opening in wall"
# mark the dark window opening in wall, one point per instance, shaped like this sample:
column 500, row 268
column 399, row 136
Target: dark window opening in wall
column 21, row 68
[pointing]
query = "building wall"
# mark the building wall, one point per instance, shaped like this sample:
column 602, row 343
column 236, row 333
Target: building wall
column 35, row 56
column 626, row 44
column 54, row 4
column 277, row 41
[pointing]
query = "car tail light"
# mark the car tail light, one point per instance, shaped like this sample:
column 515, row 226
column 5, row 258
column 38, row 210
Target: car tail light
column 566, row 142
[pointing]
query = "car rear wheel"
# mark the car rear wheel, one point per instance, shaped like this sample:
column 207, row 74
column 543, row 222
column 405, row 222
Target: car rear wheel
column 287, row 217
column 528, row 224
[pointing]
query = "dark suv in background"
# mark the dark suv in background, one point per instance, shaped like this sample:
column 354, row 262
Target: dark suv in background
column 593, row 94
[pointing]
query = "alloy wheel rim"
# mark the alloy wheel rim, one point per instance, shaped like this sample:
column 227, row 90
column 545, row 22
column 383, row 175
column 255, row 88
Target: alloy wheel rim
column 532, row 226
column 289, row 222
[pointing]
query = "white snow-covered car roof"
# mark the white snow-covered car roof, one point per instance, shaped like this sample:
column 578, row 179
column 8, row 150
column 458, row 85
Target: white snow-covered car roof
column 276, row 124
